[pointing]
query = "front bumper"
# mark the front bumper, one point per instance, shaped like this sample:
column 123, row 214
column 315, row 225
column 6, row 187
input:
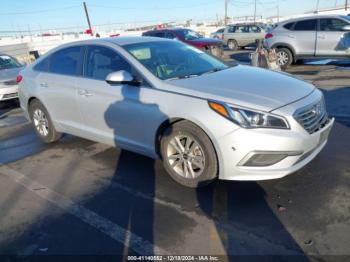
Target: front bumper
column 7, row 93
column 240, row 144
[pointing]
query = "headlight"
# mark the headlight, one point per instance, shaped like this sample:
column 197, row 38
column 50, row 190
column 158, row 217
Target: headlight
column 248, row 118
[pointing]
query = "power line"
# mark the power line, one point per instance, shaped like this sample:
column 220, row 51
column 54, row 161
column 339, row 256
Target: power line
column 152, row 8
column 40, row 11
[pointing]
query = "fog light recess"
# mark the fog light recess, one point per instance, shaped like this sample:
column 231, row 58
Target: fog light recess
column 256, row 159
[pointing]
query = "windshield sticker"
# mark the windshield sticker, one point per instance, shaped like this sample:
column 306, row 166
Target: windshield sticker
column 142, row 53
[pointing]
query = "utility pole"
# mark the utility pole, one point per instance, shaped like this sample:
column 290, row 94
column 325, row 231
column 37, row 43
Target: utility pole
column 255, row 12
column 87, row 18
column 317, row 6
column 346, row 5
column 278, row 10
column 225, row 19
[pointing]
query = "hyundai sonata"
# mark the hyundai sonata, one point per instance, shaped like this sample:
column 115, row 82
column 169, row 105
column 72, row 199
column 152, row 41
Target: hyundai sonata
column 166, row 99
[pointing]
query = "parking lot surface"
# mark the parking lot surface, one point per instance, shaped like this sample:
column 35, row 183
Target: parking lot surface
column 78, row 197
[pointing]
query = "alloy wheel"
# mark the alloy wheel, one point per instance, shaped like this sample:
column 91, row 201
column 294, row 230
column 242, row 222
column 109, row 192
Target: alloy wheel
column 282, row 58
column 185, row 156
column 232, row 45
column 40, row 122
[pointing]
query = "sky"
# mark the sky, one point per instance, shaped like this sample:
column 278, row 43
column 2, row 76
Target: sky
column 23, row 15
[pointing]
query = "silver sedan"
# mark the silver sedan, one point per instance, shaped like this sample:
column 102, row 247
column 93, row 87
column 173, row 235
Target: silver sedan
column 9, row 69
column 163, row 98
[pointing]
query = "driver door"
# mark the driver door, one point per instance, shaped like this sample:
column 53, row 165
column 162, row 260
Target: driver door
column 112, row 114
column 329, row 37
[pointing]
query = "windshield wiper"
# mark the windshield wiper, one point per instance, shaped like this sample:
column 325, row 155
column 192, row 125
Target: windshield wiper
column 213, row 71
column 182, row 77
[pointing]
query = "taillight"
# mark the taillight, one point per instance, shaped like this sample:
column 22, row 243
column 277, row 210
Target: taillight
column 268, row 35
column 19, row 79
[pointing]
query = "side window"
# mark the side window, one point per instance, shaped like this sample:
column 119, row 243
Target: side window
column 43, row 65
column 100, row 61
column 254, row 29
column 159, row 34
column 169, row 35
column 232, row 29
column 242, row 29
column 332, row 24
column 289, row 26
column 66, row 61
column 220, row 30
column 306, row 25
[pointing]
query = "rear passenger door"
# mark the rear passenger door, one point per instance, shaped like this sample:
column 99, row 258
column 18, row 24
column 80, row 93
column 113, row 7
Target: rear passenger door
column 304, row 36
column 57, row 87
column 329, row 37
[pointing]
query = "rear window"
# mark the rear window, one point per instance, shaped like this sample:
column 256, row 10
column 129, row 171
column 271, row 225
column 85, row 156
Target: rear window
column 306, row 25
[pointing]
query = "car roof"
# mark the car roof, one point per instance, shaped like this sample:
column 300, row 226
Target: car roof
column 168, row 29
column 127, row 40
column 245, row 24
column 120, row 40
column 310, row 17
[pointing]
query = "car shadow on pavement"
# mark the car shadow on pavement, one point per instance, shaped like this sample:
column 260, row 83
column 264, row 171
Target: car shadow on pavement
column 337, row 103
column 133, row 214
column 7, row 106
column 246, row 223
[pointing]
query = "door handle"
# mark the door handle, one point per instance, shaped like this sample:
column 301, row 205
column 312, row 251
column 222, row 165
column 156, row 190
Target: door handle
column 321, row 37
column 291, row 36
column 44, row 84
column 84, row 93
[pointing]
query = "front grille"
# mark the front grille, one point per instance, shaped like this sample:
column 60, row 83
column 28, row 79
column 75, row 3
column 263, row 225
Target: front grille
column 10, row 83
column 12, row 95
column 313, row 117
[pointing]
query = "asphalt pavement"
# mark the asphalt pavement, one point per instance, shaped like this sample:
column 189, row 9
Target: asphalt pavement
column 78, row 197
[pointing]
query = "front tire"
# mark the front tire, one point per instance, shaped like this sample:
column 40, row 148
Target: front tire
column 188, row 155
column 42, row 122
column 232, row 45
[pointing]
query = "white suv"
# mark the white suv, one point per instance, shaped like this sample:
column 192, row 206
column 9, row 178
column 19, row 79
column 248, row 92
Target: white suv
column 310, row 37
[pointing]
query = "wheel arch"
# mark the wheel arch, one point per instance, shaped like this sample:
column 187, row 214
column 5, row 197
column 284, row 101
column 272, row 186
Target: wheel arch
column 288, row 46
column 169, row 122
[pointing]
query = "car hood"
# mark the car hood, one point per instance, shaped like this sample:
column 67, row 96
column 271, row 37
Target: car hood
column 246, row 86
column 9, row 74
column 207, row 41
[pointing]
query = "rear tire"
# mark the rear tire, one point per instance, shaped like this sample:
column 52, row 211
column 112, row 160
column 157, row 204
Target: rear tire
column 232, row 44
column 188, row 155
column 284, row 57
column 42, row 122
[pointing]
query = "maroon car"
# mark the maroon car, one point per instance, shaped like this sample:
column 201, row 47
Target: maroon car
column 212, row 45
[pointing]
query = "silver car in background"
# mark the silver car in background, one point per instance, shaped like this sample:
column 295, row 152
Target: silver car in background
column 9, row 70
column 325, row 36
column 163, row 98
column 242, row 35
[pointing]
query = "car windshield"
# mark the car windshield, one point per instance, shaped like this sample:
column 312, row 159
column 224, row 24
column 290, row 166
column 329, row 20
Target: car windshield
column 189, row 34
column 174, row 60
column 7, row 62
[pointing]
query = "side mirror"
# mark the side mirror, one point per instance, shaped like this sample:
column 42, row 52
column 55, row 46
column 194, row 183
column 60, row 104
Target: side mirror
column 346, row 28
column 121, row 77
